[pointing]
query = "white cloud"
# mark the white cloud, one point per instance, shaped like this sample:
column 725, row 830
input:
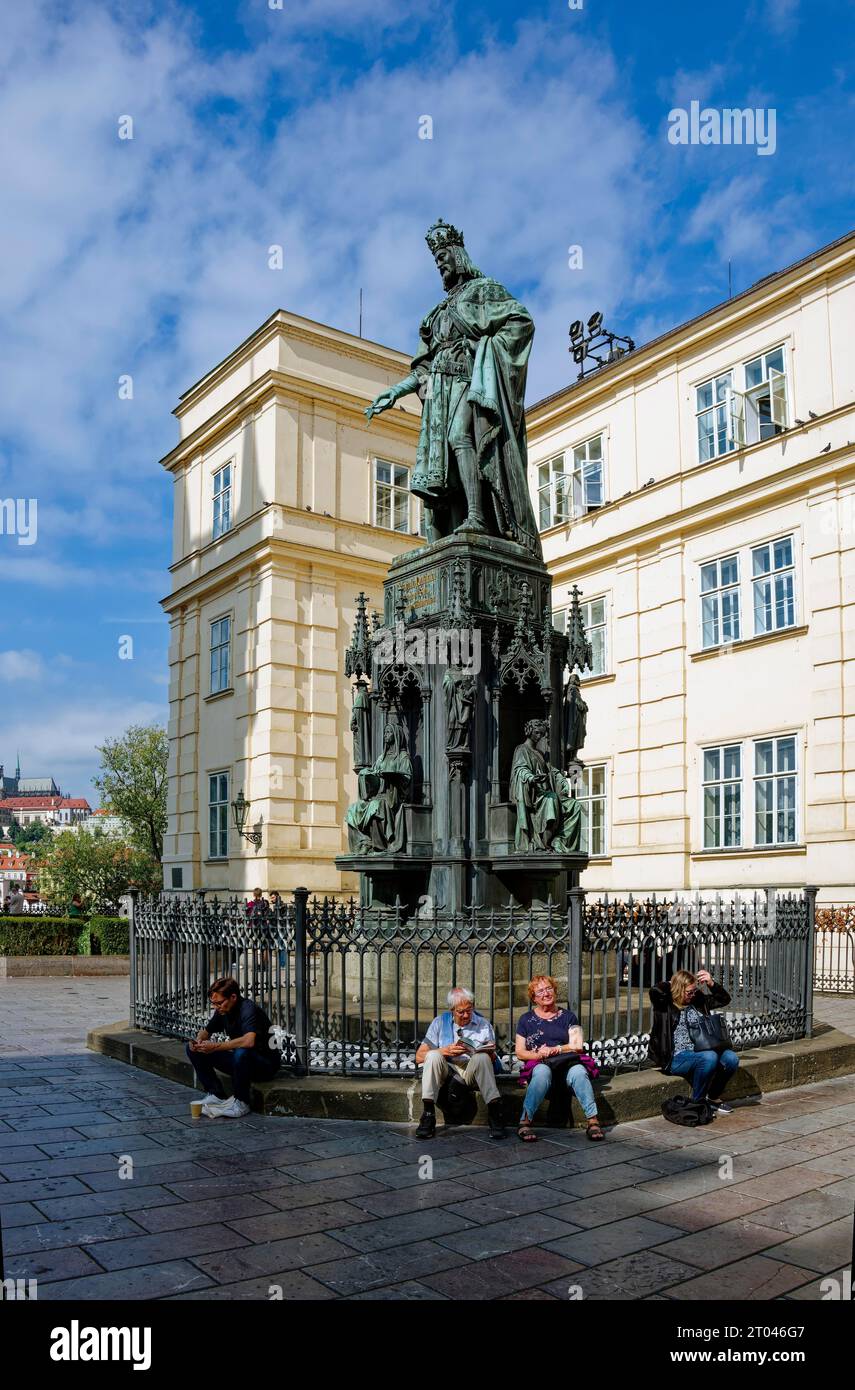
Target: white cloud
column 45, row 573
column 59, row 741
column 24, row 665
column 781, row 16
column 749, row 225
column 149, row 256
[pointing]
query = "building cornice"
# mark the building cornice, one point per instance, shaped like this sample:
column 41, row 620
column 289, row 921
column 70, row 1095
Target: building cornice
column 293, row 326
column 288, row 389
column 685, row 339
column 269, row 549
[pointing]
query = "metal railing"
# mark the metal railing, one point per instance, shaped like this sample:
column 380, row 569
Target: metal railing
column 834, row 970
column 352, row 990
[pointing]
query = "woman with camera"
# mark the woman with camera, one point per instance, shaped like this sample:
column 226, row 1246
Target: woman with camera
column 687, row 1039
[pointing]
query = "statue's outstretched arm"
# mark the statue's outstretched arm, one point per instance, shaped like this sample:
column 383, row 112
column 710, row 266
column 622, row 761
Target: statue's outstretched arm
column 392, row 394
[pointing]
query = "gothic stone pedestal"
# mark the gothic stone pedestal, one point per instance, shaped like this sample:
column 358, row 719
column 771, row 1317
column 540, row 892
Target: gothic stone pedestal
column 467, row 608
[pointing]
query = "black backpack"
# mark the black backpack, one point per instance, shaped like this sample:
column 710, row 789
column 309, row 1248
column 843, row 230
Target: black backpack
column 682, row 1110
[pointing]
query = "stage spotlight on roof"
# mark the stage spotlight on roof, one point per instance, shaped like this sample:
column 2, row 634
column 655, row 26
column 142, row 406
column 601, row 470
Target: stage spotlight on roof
column 576, row 330
column 595, row 322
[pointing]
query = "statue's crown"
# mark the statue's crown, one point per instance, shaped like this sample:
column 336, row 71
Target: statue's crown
column 442, row 234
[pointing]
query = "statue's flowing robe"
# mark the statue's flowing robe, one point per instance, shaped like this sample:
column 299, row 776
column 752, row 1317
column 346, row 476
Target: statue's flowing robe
column 543, row 802
column 487, row 366
column 376, row 820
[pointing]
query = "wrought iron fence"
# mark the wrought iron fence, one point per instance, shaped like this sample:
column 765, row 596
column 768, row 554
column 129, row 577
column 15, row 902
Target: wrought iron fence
column 352, row 989
column 759, row 948
column 834, row 971
column 180, row 945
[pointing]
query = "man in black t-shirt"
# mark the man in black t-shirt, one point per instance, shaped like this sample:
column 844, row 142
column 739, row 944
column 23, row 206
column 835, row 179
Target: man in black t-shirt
column 246, row 1054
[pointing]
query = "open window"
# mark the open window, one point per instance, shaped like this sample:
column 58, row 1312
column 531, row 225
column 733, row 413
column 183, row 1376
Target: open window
column 765, row 409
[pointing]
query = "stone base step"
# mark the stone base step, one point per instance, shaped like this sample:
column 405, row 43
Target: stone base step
column 626, row 1096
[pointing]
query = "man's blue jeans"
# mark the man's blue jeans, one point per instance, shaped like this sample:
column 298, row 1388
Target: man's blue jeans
column 709, row 1072
column 243, row 1065
column 578, row 1081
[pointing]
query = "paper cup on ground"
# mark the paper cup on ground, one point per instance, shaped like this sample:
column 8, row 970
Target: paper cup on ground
column 196, row 1109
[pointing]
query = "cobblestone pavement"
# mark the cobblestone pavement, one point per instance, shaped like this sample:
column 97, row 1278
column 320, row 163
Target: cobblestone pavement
column 759, row 1204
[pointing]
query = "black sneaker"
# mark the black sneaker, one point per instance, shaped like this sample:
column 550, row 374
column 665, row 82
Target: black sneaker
column 495, row 1119
column 427, row 1125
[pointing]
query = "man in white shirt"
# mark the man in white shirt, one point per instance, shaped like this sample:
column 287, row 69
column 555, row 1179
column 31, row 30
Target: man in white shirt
column 460, row 1041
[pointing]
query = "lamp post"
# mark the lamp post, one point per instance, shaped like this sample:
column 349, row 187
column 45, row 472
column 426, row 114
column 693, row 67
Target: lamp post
column 240, row 810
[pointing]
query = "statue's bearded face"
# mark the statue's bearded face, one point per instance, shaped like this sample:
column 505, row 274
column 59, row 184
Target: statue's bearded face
column 447, row 266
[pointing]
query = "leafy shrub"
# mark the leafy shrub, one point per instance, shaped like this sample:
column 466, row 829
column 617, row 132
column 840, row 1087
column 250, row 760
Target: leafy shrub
column 39, row 936
column 110, row 936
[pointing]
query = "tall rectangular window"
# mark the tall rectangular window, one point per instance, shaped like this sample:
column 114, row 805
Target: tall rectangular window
column 720, row 601
column 218, row 815
column 723, row 796
column 552, row 490
column 775, row 784
column 773, row 580
column 714, row 408
column 766, row 412
column 220, row 655
column 588, row 489
column 391, row 496
column 222, row 501
column 593, row 799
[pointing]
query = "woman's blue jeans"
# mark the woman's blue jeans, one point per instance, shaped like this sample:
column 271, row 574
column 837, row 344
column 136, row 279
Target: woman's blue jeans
column 709, row 1072
column 578, row 1081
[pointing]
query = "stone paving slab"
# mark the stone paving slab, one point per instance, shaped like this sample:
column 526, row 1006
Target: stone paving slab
column 328, row 1209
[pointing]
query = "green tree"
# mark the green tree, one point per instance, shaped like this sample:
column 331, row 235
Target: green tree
column 29, row 837
column 132, row 783
column 98, row 866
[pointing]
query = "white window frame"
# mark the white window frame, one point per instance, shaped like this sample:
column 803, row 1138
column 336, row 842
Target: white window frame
column 559, row 622
column 220, row 646
column 721, row 408
column 221, row 807
column 722, row 783
column 745, row 589
column 552, row 493
column 747, row 783
column 586, row 797
column 770, row 576
column 774, row 385
column 717, row 594
column 566, row 493
column 584, row 463
column 777, row 778
column 738, row 403
column 219, row 529
column 396, row 489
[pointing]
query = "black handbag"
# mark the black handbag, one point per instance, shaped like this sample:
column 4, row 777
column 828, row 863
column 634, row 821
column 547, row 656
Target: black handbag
column 709, row 1033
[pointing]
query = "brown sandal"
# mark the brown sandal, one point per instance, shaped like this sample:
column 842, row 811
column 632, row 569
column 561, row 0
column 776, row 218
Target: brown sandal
column 526, row 1132
column 593, row 1131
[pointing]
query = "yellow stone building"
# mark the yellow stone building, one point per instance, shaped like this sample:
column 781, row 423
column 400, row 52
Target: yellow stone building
column 701, row 493
column 287, row 504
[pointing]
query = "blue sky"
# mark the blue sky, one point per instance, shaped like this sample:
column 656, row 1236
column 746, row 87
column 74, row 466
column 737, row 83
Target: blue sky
column 300, row 126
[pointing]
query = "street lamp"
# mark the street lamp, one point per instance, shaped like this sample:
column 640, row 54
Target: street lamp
column 240, row 809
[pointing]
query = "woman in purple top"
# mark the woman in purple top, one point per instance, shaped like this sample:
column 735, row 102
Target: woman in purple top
column 542, row 1033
